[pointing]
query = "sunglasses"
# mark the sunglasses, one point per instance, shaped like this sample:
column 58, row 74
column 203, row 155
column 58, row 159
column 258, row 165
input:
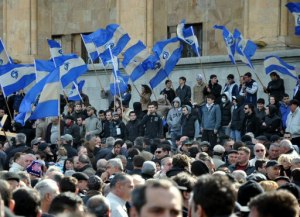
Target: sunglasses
column 259, row 150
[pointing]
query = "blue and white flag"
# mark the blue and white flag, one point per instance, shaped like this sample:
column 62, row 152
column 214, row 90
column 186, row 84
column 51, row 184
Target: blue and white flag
column 294, row 8
column 74, row 94
column 14, row 77
column 273, row 63
column 187, row 35
column 114, row 37
column 88, row 41
column 4, row 58
column 229, row 42
column 167, row 53
column 43, row 68
column 48, row 105
column 134, row 61
column 55, row 49
column 70, row 67
column 118, row 80
column 245, row 48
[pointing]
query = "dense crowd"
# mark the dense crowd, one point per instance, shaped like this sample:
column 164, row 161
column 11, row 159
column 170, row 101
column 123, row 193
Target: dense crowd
column 209, row 150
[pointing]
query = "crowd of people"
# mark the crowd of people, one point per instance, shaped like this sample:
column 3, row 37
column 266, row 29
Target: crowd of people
column 209, row 150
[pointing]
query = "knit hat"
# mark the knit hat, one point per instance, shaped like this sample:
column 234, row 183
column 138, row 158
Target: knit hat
column 219, row 149
column 35, row 168
column 67, row 137
column 199, row 77
column 80, row 176
column 247, row 191
column 199, row 168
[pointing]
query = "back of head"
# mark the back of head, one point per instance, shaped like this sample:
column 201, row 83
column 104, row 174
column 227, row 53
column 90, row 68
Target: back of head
column 46, row 186
column 215, row 194
column 247, row 191
column 66, row 202
column 5, row 192
column 110, row 141
column 68, row 184
column 27, row 202
column 99, row 206
column 275, row 204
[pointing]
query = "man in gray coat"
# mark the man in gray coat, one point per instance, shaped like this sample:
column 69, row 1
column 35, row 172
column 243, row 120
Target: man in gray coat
column 92, row 123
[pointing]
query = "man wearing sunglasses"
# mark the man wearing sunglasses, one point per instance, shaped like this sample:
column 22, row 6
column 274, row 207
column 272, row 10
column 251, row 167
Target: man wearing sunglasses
column 259, row 152
column 250, row 122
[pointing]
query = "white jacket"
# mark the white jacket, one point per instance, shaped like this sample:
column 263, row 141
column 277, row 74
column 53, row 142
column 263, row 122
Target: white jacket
column 293, row 123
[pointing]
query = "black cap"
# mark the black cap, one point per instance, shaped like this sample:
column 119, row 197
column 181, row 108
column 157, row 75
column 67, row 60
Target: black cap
column 69, row 117
column 81, row 176
column 262, row 138
column 43, row 146
column 272, row 163
column 11, row 176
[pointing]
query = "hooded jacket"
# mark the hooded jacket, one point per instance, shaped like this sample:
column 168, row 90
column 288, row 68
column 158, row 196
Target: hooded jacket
column 189, row 124
column 174, row 116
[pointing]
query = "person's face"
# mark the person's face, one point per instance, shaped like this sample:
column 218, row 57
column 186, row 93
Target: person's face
column 69, row 165
column 274, row 152
column 286, row 100
column 272, row 100
column 126, row 189
column 83, row 185
column 169, row 84
column 151, row 109
column 247, row 79
column 185, row 111
column 117, row 149
column 76, row 163
column 167, row 165
column 132, row 116
column 209, row 101
column 181, row 81
column 199, row 81
column 82, row 151
column 273, row 77
column 287, row 136
column 27, row 159
column 167, row 204
column 243, row 157
column 116, row 117
column 286, row 164
column 68, row 121
column 259, row 151
column 108, row 116
column 232, row 158
column 229, row 145
column 102, row 116
column 293, row 107
column 262, row 169
column 214, row 80
column 176, row 104
column 247, row 110
column 260, row 106
column 78, row 108
column 90, row 112
column 273, row 172
column 159, row 153
column 79, row 121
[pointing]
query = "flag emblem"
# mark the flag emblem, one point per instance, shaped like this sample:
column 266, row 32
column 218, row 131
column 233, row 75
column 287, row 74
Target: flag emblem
column 229, row 40
column 60, row 51
column 66, row 65
column 157, row 65
column 166, row 55
column 109, row 45
column 14, row 74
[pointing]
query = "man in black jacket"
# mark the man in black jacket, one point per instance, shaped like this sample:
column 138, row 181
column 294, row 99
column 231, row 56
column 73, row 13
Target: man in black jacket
column 184, row 92
column 275, row 86
column 133, row 129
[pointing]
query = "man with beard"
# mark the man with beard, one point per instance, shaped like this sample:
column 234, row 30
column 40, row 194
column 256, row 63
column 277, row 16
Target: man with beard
column 250, row 122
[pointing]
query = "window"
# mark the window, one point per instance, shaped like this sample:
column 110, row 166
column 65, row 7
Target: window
column 187, row 49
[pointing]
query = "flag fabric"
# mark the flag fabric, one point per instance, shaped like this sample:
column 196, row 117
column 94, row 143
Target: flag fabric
column 74, row 94
column 114, row 37
column 229, row 42
column 245, row 48
column 187, row 35
column 134, row 60
column 294, row 8
column 118, row 80
column 55, row 49
column 273, row 63
column 4, row 58
column 48, row 105
column 88, row 41
column 167, row 53
column 43, row 68
column 14, row 77
column 70, row 68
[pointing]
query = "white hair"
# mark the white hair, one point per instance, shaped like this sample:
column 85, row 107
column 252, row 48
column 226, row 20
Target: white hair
column 46, row 186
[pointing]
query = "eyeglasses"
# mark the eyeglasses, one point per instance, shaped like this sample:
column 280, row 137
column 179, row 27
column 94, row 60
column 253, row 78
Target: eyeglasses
column 259, row 150
column 287, row 137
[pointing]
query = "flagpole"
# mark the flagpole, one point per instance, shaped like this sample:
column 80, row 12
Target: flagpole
column 6, row 51
column 5, row 99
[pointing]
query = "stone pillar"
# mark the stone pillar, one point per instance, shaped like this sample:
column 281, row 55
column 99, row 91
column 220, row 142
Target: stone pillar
column 33, row 27
column 149, row 23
